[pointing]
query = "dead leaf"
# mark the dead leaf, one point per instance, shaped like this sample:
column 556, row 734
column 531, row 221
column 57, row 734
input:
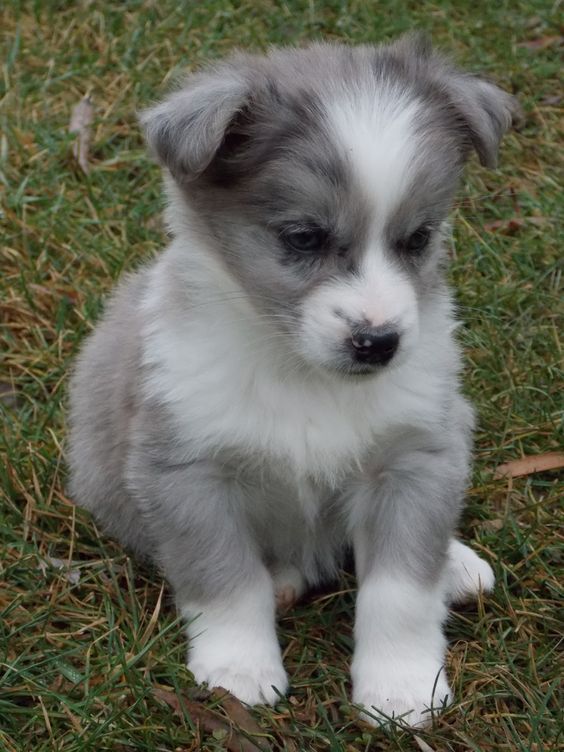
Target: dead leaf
column 493, row 526
column 513, row 225
column 210, row 722
column 505, row 226
column 552, row 100
column 423, row 746
column 9, row 395
column 238, row 713
column 81, row 124
column 534, row 463
column 197, row 712
column 72, row 575
column 541, row 43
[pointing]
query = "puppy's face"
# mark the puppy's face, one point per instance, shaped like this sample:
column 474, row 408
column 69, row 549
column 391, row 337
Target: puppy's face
column 323, row 178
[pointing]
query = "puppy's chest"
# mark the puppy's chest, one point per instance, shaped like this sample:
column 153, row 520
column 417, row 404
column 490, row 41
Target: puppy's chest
column 297, row 430
column 312, row 429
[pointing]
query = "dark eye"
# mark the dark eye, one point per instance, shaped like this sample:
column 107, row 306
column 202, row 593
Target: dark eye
column 311, row 239
column 418, row 240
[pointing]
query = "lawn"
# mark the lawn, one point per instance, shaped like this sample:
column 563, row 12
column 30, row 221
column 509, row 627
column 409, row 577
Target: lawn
column 90, row 645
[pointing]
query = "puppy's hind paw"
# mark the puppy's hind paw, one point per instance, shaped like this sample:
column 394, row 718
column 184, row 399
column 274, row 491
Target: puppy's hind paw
column 289, row 586
column 467, row 574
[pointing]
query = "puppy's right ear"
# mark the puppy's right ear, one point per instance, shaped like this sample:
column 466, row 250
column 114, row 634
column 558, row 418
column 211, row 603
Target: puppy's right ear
column 186, row 130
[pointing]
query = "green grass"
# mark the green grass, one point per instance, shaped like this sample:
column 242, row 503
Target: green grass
column 83, row 646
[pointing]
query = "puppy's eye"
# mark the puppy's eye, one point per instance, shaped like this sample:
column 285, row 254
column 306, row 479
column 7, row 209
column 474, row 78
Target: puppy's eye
column 417, row 240
column 311, row 239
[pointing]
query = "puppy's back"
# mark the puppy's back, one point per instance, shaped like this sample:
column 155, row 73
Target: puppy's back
column 103, row 404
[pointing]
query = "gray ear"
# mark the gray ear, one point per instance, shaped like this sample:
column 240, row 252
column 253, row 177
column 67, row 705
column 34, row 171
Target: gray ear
column 188, row 127
column 484, row 110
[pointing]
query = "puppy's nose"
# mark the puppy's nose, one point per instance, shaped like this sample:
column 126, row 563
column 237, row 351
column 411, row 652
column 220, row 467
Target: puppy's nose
column 373, row 345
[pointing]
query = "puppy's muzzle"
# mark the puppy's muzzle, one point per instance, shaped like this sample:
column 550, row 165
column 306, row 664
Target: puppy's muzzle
column 373, row 345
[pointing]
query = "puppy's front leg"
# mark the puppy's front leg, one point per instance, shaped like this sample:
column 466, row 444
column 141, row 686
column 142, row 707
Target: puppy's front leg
column 403, row 525
column 233, row 641
column 196, row 518
column 398, row 661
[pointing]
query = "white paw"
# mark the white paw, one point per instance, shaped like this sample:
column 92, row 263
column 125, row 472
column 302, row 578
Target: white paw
column 467, row 574
column 232, row 643
column 289, row 586
column 406, row 694
column 252, row 684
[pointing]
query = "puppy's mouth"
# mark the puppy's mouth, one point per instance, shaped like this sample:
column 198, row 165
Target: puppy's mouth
column 349, row 369
column 361, row 371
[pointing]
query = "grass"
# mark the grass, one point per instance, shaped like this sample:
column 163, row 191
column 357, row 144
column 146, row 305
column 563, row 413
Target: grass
column 86, row 634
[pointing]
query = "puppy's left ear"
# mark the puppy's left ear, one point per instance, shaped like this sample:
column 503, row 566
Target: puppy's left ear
column 484, row 112
column 186, row 130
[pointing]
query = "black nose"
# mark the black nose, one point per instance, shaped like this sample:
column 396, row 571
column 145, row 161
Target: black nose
column 373, row 346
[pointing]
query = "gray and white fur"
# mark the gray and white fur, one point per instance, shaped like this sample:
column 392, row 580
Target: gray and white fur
column 282, row 382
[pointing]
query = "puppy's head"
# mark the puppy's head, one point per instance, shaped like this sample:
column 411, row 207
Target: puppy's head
column 322, row 178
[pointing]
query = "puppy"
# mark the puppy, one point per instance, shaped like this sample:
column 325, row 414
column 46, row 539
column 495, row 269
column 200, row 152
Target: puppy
column 282, row 382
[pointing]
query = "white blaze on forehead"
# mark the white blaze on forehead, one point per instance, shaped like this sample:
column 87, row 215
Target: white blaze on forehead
column 383, row 292
column 377, row 129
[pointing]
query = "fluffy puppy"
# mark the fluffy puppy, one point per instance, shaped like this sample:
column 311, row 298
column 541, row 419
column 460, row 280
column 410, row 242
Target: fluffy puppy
column 282, row 382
